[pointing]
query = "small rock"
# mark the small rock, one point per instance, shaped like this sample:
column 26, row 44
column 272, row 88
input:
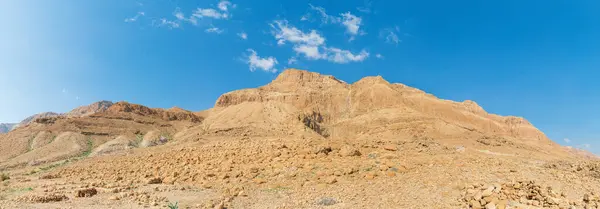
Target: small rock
column 349, row 151
column 475, row 204
column 488, row 191
column 259, row 180
column 87, row 192
column 478, row 196
column 390, row 148
column 331, row 180
column 490, row 206
column 114, row 198
column 154, row 181
column 327, row 201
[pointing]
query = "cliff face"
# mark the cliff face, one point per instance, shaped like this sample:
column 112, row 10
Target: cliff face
column 377, row 102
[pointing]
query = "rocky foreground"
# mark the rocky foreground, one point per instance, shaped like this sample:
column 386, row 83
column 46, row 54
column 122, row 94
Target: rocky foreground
column 303, row 141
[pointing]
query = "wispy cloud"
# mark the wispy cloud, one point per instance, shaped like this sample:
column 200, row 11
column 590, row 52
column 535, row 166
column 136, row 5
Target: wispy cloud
column 366, row 8
column 283, row 32
column 222, row 11
column 243, row 35
column 351, row 22
column 266, row 64
column 211, row 13
column 181, row 17
column 224, row 5
column 135, row 18
column 379, row 56
column 214, row 30
column 292, row 60
column 344, row 56
column 309, row 51
column 390, row 36
column 325, row 18
column 167, row 23
column 567, row 140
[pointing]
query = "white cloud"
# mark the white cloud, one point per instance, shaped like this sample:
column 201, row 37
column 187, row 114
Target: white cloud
column 352, row 23
column 266, row 64
column 135, row 18
column 305, row 17
column 243, row 35
column 292, row 60
column 325, row 18
column 567, row 140
column 181, row 17
column 168, row 23
column 312, row 45
column 210, row 13
column 224, row 5
column 283, row 32
column 309, row 51
column 214, row 30
column 379, row 56
column 344, row 56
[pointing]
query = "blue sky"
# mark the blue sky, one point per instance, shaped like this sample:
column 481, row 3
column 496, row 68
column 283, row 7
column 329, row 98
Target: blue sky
column 536, row 59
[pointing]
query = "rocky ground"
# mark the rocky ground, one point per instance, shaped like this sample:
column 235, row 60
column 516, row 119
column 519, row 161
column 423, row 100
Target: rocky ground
column 248, row 172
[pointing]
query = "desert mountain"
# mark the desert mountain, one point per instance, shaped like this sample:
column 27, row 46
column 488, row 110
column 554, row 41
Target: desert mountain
column 84, row 129
column 32, row 118
column 95, row 107
column 305, row 140
column 6, row 127
column 365, row 108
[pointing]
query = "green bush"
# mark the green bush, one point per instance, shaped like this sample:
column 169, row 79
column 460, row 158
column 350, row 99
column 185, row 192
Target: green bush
column 173, row 206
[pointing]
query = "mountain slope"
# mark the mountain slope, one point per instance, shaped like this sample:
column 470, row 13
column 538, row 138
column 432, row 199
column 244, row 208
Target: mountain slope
column 345, row 108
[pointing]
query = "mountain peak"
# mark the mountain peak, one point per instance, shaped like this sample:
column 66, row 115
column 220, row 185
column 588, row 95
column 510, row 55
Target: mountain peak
column 90, row 109
column 294, row 76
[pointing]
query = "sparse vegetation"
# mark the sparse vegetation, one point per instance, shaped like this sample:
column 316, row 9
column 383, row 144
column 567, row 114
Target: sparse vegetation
column 173, row 206
column 30, row 144
column 4, row 177
column 88, row 150
column 138, row 139
column 52, row 140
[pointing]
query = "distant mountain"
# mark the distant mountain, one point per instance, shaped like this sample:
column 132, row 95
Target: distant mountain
column 6, row 127
column 96, row 107
column 37, row 116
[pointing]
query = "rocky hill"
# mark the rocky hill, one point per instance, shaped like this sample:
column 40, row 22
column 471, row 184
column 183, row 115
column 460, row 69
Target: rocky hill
column 305, row 140
column 95, row 107
column 32, row 118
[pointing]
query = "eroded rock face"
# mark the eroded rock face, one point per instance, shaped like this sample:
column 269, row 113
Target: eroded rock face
column 373, row 100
